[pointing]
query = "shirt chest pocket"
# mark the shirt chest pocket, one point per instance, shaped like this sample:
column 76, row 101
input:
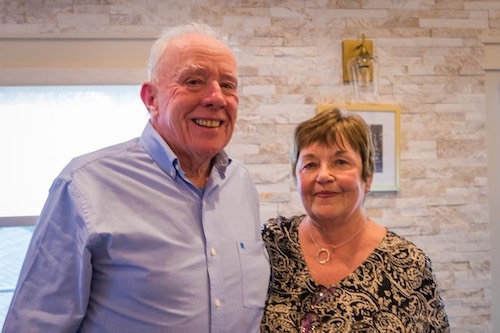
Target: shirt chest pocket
column 255, row 271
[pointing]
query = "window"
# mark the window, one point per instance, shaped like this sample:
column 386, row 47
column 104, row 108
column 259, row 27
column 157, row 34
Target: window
column 42, row 128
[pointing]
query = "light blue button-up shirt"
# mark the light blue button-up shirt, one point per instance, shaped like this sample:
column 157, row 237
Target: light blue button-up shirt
column 125, row 243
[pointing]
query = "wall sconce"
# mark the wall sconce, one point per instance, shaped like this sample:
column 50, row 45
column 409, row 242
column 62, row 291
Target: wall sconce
column 360, row 67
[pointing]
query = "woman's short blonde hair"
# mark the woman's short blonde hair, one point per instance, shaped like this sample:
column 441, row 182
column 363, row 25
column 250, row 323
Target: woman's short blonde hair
column 336, row 126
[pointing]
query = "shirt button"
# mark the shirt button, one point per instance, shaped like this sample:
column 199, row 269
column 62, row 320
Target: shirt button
column 217, row 303
column 213, row 252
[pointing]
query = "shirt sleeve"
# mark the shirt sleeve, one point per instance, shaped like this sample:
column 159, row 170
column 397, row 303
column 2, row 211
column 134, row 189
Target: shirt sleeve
column 53, row 288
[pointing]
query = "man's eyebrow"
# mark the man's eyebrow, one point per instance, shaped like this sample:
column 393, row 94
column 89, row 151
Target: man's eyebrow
column 230, row 76
column 196, row 68
column 193, row 68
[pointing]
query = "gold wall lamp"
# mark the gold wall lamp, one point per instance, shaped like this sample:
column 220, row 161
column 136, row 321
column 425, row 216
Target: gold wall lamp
column 359, row 66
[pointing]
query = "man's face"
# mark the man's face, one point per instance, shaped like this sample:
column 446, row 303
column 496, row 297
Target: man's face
column 195, row 97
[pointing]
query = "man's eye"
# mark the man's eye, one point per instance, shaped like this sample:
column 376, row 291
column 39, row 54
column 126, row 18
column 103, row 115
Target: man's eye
column 194, row 82
column 228, row 85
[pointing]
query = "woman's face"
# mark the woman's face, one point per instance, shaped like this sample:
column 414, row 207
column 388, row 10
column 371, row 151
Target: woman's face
column 329, row 182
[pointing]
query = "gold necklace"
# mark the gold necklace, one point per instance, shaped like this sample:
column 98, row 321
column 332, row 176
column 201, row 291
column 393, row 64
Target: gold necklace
column 323, row 251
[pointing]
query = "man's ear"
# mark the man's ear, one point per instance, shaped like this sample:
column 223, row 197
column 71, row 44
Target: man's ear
column 148, row 96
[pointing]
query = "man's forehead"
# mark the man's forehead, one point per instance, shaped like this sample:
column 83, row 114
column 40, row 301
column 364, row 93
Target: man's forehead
column 203, row 66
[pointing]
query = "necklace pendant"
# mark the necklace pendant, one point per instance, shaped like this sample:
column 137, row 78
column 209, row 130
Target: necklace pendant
column 323, row 253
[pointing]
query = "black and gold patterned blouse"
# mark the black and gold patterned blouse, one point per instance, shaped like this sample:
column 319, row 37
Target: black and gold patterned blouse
column 394, row 290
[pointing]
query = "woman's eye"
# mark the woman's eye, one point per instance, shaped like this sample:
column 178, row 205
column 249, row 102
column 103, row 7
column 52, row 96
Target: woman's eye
column 308, row 166
column 342, row 163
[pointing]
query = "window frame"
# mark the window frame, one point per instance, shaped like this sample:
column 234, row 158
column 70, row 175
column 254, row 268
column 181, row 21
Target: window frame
column 73, row 59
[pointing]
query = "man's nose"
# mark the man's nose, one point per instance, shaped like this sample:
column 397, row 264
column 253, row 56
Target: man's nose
column 214, row 97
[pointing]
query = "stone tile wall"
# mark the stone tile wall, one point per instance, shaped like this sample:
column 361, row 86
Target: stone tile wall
column 430, row 54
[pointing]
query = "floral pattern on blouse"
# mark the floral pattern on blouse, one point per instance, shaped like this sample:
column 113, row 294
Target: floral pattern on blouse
column 394, row 290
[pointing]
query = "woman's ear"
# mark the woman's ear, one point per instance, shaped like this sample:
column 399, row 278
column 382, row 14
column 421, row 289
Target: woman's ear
column 148, row 96
column 368, row 184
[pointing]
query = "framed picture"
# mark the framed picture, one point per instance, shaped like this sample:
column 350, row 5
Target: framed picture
column 384, row 124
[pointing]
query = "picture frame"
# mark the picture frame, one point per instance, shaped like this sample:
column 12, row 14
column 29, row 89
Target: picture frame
column 384, row 123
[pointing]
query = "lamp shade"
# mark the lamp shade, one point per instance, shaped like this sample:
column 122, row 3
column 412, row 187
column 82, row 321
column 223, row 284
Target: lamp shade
column 363, row 74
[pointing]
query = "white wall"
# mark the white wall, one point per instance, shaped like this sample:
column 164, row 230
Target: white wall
column 492, row 67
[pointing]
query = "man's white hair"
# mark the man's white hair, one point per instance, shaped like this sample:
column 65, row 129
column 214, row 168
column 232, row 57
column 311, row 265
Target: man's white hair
column 161, row 43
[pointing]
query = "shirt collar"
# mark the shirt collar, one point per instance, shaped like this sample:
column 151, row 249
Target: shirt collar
column 163, row 155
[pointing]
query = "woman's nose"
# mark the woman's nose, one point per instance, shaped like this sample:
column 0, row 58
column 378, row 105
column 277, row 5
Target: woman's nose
column 325, row 175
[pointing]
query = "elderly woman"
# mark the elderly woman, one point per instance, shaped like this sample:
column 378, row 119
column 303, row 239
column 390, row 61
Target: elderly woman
column 334, row 269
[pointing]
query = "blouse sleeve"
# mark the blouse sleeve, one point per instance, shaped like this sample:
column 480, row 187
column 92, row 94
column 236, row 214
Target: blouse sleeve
column 437, row 317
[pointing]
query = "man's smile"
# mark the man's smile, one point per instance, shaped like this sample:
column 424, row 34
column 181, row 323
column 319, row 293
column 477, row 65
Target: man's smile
column 208, row 123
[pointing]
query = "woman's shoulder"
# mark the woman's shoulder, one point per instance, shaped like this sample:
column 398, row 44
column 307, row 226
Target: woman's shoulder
column 281, row 235
column 280, row 224
column 392, row 239
column 281, row 228
column 402, row 248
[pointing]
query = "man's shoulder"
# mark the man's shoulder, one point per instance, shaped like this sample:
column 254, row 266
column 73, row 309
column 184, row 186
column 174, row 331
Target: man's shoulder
column 236, row 168
column 104, row 154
